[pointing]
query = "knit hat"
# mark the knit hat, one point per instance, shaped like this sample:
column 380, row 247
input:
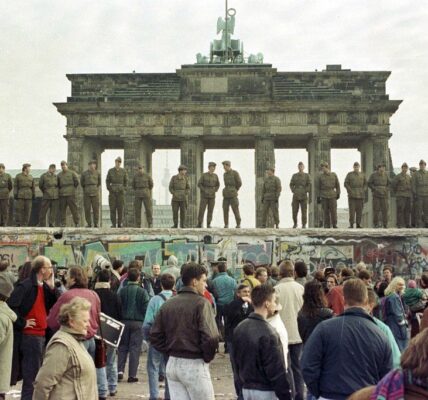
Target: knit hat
column 411, row 284
column 6, row 287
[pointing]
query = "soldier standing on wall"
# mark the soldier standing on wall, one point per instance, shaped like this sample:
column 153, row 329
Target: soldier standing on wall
column 402, row 187
column 90, row 181
column 48, row 184
column 116, row 181
column 328, row 193
column 208, row 184
column 420, row 191
column 413, row 221
column 379, row 184
column 356, row 185
column 142, row 184
column 270, row 196
column 301, row 187
column 6, row 187
column 68, row 181
column 24, row 193
column 179, row 187
column 232, row 184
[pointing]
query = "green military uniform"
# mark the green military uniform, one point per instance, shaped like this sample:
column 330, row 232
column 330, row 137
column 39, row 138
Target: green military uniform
column 6, row 187
column 300, row 186
column 24, row 190
column 48, row 184
column 413, row 219
column 379, row 185
column 179, row 187
column 68, row 181
column 232, row 184
column 328, row 192
column 142, row 184
column 208, row 184
column 116, row 181
column 270, row 195
column 420, row 191
column 402, row 187
column 356, row 186
column 91, row 182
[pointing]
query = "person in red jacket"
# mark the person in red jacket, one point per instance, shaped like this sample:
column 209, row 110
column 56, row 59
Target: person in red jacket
column 336, row 300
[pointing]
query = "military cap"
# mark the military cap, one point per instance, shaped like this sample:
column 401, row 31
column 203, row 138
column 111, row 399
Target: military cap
column 92, row 162
column 300, row 163
column 413, row 169
column 140, row 166
column 422, row 162
column 2, row 165
column 270, row 168
column 118, row 159
column 324, row 164
column 63, row 162
column 226, row 163
column 356, row 164
column 182, row 167
column 212, row 164
column 404, row 165
column 26, row 165
column 52, row 166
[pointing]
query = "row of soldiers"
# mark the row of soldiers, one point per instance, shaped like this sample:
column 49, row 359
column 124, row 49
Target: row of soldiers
column 59, row 193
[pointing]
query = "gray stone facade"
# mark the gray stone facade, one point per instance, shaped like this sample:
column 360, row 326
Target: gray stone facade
column 229, row 106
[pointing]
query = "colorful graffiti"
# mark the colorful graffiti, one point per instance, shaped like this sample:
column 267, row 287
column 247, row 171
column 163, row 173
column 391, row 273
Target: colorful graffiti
column 408, row 255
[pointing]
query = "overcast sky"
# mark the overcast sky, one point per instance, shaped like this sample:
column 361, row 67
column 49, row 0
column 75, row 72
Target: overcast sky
column 43, row 40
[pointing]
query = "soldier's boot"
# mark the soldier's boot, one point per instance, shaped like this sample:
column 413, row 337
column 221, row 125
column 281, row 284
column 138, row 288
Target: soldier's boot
column 295, row 225
column 238, row 226
column 199, row 225
column 150, row 225
column 304, row 226
column 89, row 226
column 277, row 226
column 335, row 226
column 174, row 226
column 351, row 225
column 226, row 226
column 95, row 225
column 359, row 226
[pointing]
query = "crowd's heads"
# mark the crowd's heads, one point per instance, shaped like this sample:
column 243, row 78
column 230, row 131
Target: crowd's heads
column 346, row 273
column 372, row 299
column 167, row 281
column 301, row 269
column 41, row 265
column 365, row 276
column 117, row 265
column 137, row 264
column 248, row 269
column 261, row 295
column 134, row 274
column 286, row 269
column 387, row 272
column 262, row 275
column 195, row 276
column 172, row 261
column 3, row 265
column 75, row 314
column 313, row 298
column 412, row 284
column 77, row 277
column 274, row 272
column 222, row 267
column 360, row 266
column 331, row 281
column 397, row 285
column 415, row 357
column 424, row 280
column 355, row 293
column 24, row 271
column 6, row 288
column 243, row 290
column 156, row 269
column 104, row 276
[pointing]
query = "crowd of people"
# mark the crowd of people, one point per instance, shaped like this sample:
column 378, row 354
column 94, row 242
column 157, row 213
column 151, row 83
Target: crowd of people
column 335, row 334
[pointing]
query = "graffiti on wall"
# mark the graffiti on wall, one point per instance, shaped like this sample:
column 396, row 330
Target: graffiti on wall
column 409, row 255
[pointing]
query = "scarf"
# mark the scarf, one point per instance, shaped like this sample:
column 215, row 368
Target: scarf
column 102, row 285
column 390, row 387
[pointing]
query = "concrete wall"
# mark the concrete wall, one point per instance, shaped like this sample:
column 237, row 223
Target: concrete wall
column 407, row 250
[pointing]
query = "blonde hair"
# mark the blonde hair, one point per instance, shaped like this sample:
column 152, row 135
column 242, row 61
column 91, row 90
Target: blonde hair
column 392, row 287
column 73, row 310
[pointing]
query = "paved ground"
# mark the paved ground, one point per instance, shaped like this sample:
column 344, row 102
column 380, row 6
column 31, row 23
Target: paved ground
column 221, row 374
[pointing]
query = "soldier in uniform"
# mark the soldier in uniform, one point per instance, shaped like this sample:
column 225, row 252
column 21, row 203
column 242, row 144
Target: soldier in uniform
column 179, row 187
column 90, row 181
column 270, row 196
column 402, row 188
column 48, row 184
column 68, row 181
column 232, row 184
column 24, row 193
column 379, row 183
column 142, row 184
column 6, row 187
column 328, row 190
column 116, row 181
column 420, row 191
column 413, row 221
column 356, row 186
column 208, row 184
column 301, row 187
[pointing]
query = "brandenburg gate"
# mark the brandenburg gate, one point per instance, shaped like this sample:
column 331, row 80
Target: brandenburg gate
column 226, row 101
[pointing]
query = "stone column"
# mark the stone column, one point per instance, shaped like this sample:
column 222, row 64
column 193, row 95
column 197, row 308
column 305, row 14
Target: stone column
column 133, row 155
column 192, row 156
column 264, row 158
column 319, row 149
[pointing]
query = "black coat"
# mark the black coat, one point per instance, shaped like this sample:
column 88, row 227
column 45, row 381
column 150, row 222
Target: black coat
column 21, row 302
column 345, row 354
column 234, row 314
column 258, row 356
column 307, row 324
column 110, row 303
